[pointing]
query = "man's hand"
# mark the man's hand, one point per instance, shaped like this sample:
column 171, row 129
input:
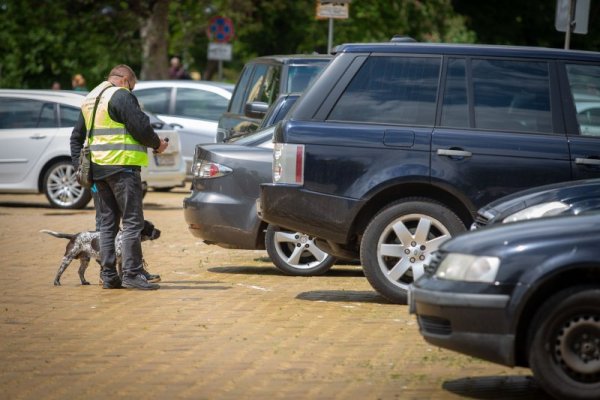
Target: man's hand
column 164, row 143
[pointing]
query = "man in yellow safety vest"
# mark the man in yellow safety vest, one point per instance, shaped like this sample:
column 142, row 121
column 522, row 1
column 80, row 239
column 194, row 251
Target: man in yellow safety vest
column 119, row 136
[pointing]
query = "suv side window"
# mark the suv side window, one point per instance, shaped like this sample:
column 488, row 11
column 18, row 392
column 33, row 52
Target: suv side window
column 512, row 95
column 265, row 84
column 391, row 90
column 584, row 81
column 237, row 100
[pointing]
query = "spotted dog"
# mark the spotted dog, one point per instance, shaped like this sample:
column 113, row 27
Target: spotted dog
column 85, row 246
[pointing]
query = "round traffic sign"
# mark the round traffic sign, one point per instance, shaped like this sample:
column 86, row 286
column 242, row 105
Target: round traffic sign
column 220, row 29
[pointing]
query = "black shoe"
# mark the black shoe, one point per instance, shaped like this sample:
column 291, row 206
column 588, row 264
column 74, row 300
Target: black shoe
column 152, row 278
column 112, row 283
column 138, row 282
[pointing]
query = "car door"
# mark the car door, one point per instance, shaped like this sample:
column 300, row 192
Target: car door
column 497, row 134
column 584, row 129
column 27, row 127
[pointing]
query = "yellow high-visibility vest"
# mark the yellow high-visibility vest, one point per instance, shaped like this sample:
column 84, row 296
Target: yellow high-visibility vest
column 110, row 143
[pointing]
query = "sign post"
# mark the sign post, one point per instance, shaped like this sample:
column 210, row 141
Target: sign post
column 334, row 9
column 220, row 32
column 572, row 16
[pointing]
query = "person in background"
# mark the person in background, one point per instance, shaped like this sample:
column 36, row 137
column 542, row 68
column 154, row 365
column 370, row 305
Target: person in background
column 55, row 85
column 118, row 142
column 176, row 70
column 78, row 83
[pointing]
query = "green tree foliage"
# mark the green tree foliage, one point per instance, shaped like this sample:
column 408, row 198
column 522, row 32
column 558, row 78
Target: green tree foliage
column 525, row 23
column 46, row 40
column 42, row 41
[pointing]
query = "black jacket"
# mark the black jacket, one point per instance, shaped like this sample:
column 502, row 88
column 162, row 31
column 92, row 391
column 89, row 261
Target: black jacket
column 123, row 107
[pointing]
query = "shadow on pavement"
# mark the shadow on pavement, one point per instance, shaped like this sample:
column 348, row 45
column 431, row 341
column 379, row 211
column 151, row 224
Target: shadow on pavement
column 45, row 205
column 253, row 270
column 354, row 296
column 497, row 388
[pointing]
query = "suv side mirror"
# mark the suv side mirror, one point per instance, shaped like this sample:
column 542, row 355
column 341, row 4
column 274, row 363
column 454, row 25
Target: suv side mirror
column 256, row 109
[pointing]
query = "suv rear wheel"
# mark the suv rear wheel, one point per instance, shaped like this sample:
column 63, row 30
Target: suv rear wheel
column 399, row 241
column 295, row 253
column 564, row 344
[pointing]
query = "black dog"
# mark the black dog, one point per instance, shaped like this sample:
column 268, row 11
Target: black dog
column 86, row 245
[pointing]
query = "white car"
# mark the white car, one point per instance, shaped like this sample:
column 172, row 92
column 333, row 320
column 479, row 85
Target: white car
column 192, row 107
column 35, row 155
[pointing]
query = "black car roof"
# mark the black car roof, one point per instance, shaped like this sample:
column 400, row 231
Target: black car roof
column 468, row 49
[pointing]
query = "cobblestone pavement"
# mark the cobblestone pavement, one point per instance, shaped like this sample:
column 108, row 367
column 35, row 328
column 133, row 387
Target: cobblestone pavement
column 224, row 325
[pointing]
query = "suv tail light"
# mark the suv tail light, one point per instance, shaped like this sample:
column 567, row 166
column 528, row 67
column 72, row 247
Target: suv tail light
column 288, row 163
column 208, row 169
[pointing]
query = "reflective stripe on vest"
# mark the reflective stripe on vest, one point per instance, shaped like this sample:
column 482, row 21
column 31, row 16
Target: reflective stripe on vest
column 110, row 143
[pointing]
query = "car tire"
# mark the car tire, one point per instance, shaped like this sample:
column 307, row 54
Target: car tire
column 62, row 189
column 295, row 253
column 391, row 263
column 564, row 344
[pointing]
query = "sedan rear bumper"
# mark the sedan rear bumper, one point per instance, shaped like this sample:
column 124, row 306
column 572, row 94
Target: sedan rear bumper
column 223, row 220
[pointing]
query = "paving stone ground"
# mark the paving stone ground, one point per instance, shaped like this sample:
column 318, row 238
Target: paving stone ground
column 224, row 325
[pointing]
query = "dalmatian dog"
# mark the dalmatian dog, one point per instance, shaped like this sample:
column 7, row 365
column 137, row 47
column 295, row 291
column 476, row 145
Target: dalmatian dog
column 85, row 246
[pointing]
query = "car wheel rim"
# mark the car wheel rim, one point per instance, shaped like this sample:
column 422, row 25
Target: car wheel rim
column 405, row 247
column 577, row 348
column 298, row 250
column 62, row 186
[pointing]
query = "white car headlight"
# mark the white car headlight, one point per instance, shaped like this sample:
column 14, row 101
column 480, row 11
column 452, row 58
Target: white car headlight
column 465, row 267
column 537, row 211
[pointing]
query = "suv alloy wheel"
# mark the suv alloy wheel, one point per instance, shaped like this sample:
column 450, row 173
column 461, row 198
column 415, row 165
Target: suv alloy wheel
column 295, row 253
column 399, row 241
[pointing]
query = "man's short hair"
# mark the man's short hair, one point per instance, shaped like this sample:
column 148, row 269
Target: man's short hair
column 123, row 71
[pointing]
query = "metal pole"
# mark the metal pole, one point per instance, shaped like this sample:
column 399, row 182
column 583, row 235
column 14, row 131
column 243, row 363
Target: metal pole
column 330, row 36
column 220, row 70
column 570, row 24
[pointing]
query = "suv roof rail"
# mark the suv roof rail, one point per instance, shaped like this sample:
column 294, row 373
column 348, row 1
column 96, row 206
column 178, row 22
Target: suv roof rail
column 402, row 39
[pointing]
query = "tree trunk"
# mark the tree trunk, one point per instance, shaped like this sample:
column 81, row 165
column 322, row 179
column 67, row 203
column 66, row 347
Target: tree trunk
column 153, row 33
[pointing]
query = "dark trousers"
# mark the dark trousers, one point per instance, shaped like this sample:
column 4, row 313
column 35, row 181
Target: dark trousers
column 118, row 199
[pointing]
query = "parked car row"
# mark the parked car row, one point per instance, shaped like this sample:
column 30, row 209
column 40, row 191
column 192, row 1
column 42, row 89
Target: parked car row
column 35, row 154
column 396, row 149
column 397, row 145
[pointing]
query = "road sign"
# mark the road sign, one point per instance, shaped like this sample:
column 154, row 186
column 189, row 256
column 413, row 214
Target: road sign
column 337, row 10
column 220, row 29
column 574, row 14
column 219, row 51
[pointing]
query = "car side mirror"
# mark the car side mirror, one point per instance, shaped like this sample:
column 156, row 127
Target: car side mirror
column 256, row 109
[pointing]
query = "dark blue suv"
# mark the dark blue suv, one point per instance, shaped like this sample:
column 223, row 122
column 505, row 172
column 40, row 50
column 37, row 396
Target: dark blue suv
column 396, row 145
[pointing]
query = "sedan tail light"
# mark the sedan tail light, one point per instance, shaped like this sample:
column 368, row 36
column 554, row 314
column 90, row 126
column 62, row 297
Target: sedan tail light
column 288, row 163
column 208, row 169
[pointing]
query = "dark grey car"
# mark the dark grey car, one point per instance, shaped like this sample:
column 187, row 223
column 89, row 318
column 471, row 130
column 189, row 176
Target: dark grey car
column 221, row 209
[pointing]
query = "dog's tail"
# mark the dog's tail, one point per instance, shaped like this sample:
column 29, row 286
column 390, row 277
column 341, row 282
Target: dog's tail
column 58, row 234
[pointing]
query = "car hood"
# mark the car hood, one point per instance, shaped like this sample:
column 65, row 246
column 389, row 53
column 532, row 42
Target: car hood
column 584, row 193
column 545, row 232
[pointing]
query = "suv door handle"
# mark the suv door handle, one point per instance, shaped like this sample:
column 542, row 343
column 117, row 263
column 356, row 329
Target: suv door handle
column 587, row 161
column 454, row 153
